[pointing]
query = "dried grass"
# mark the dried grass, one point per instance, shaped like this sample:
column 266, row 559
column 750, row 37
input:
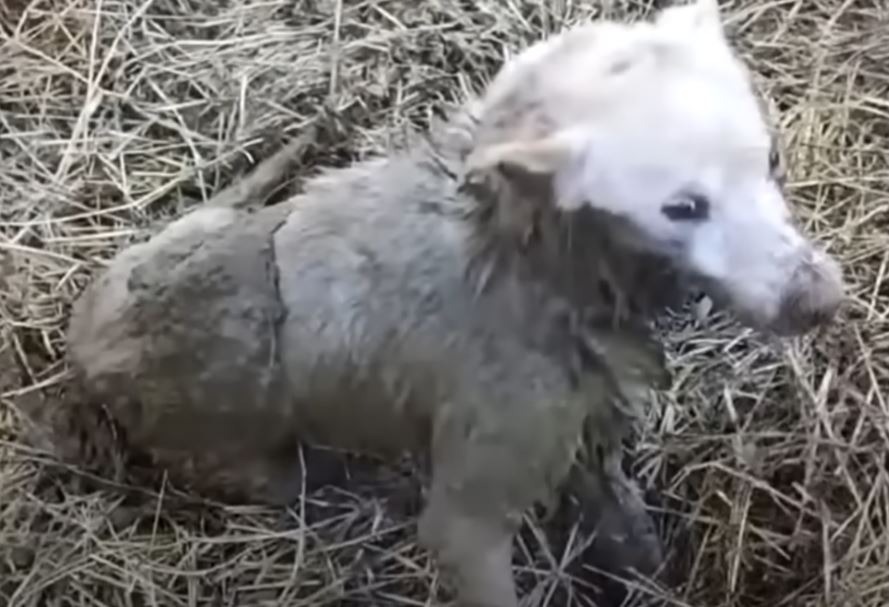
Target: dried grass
column 117, row 114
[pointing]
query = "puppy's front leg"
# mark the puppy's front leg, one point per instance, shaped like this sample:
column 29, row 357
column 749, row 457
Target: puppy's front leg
column 506, row 446
column 626, row 541
column 473, row 545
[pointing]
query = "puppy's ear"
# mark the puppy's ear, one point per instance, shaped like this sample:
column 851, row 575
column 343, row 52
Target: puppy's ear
column 528, row 164
column 540, row 156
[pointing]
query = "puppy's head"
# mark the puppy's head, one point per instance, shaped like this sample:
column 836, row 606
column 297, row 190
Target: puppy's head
column 656, row 126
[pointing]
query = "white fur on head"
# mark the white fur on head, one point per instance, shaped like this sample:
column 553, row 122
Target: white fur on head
column 658, row 123
column 699, row 17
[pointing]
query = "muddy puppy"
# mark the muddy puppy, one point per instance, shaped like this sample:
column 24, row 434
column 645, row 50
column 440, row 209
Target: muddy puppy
column 478, row 297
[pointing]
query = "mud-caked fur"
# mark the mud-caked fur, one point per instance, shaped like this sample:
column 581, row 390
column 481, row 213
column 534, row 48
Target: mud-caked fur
column 450, row 300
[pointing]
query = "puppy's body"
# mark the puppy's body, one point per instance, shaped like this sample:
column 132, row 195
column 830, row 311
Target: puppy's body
column 360, row 315
column 474, row 297
column 374, row 313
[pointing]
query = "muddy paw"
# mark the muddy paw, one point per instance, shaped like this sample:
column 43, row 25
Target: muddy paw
column 623, row 540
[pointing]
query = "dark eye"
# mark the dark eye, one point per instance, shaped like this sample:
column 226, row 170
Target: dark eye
column 774, row 160
column 687, row 207
column 776, row 169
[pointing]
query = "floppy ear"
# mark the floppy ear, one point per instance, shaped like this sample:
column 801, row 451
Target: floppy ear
column 528, row 163
column 539, row 156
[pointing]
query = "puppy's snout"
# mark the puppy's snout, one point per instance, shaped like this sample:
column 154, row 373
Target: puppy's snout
column 813, row 296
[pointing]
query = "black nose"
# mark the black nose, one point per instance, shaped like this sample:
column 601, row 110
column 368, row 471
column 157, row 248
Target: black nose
column 813, row 297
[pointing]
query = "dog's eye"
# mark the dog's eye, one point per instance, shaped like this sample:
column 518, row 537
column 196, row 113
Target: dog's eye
column 776, row 168
column 688, row 207
column 774, row 160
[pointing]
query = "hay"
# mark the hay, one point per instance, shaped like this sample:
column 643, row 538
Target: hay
column 118, row 114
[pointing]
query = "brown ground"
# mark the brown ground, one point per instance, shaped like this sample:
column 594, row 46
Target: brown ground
column 116, row 114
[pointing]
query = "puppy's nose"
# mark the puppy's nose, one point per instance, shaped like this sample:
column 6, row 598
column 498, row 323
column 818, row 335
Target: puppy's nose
column 813, row 296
